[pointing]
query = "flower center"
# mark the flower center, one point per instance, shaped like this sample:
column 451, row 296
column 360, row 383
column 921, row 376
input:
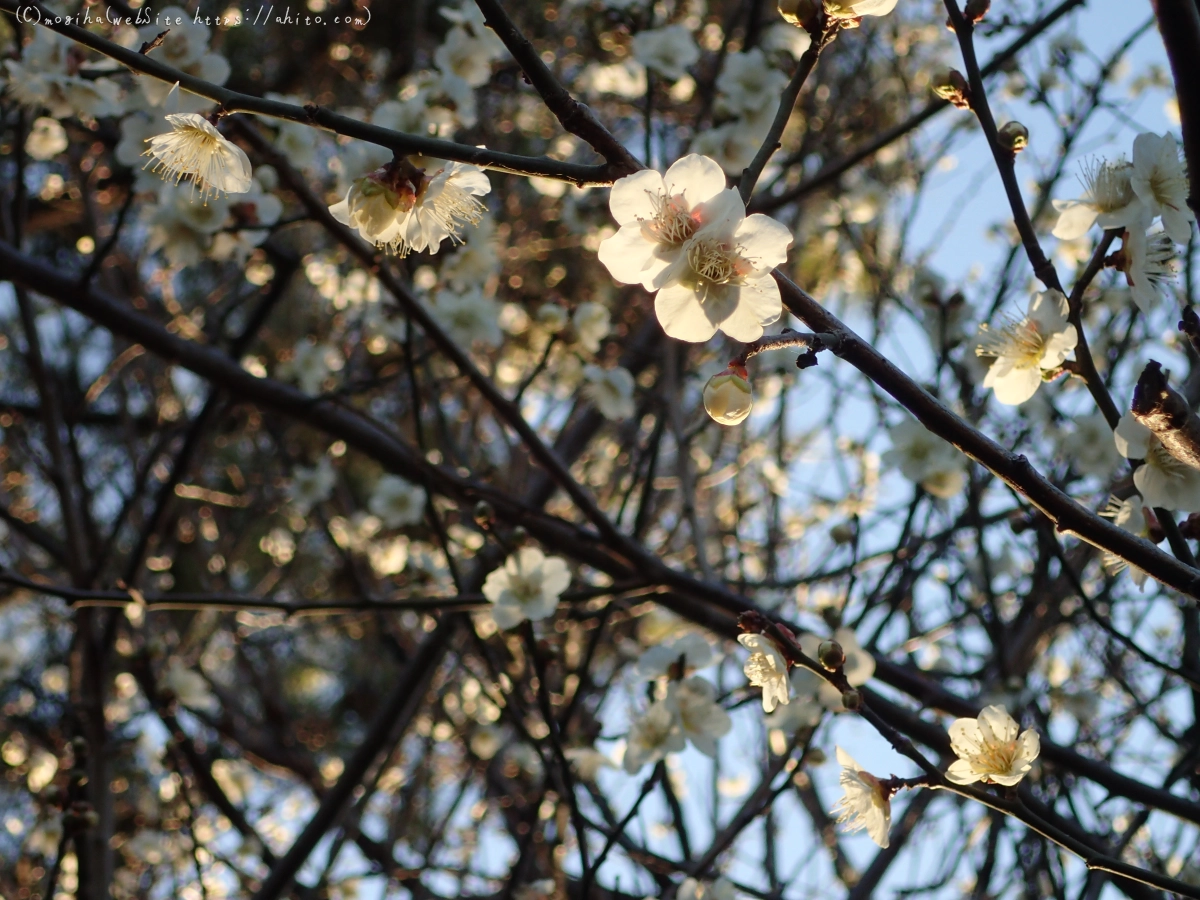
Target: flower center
column 1172, row 468
column 1109, row 185
column 1018, row 340
column 673, row 222
column 715, row 261
column 997, row 758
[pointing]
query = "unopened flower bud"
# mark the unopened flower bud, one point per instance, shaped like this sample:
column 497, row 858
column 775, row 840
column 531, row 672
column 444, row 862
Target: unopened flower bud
column 519, row 535
column 1013, row 136
column 831, row 655
column 728, row 397
column 798, row 12
column 975, row 10
column 842, row 533
column 852, row 700
column 815, row 756
column 951, row 85
column 484, row 513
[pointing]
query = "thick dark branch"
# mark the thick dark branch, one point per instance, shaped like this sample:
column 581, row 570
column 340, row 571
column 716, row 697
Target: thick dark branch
column 310, row 114
column 1014, row 469
column 1179, row 23
column 575, row 117
column 1165, row 412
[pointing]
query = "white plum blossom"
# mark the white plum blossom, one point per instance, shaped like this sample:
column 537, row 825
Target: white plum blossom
column 588, row 761
column 251, row 216
column 552, row 318
column 990, row 750
column 722, row 278
column 310, row 364
column 853, row 9
column 924, row 458
column 46, row 139
column 805, row 708
column 397, row 501
column 185, row 48
column 1129, row 514
column 399, row 208
column 1108, row 200
column 652, row 736
column 721, row 889
column 658, row 214
column 183, row 229
column 311, row 485
column 667, row 51
column 1023, row 348
column 701, row 718
column 1163, row 481
column 47, row 75
column 732, row 145
column 1150, row 266
column 468, row 57
column 1089, row 448
column 194, row 150
column 766, row 668
column 625, row 79
column 688, row 236
column 864, row 803
column 748, row 84
column 468, row 317
column 610, row 390
column 693, row 648
column 1160, row 182
column 189, row 687
column 527, row 586
column 728, row 398
column 592, row 323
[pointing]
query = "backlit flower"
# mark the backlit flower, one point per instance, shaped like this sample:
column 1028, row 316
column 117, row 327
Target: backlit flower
column 691, row 648
column 468, row 317
column 864, row 803
column 611, row 390
column 445, row 206
column 46, row 138
column 721, row 278
column 989, row 749
column 701, row 718
column 668, row 51
column 1150, row 266
column 766, row 668
column 592, row 323
column 527, row 586
column 652, row 736
column 924, row 458
column 1160, row 182
column 311, row 485
column 853, row 9
column 748, row 83
column 1108, row 200
column 397, row 501
column 1129, row 514
column 1023, row 348
column 1162, row 480
column 195, row 150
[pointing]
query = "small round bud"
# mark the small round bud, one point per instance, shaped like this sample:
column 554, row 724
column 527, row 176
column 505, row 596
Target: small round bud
column 832, row 616
column 831, row 655
column 975, row 10
column 842, row 533
column 519, row 535
column 728, row 397
column 815, row 757
column 798, row 12
column 484, row 513
column 1013, row 136
column 852, row 700
column 951, row 85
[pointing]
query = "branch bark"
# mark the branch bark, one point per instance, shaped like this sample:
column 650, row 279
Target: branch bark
column 1165, row 412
